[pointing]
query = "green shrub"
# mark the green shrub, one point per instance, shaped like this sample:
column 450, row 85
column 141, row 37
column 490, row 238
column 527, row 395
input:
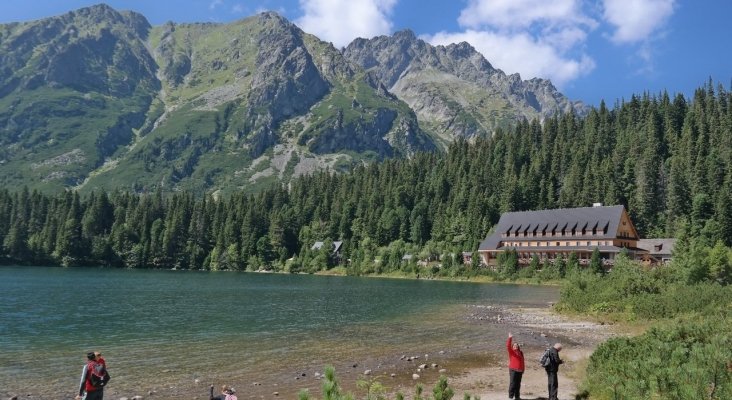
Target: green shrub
column 688, row 359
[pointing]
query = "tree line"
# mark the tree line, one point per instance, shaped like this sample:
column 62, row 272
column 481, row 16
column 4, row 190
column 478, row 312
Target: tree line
column 667, row 160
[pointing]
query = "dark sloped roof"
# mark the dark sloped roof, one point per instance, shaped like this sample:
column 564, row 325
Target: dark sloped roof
column 657, row 246
column 537, row 249
column 336, row 245
column 602, row 216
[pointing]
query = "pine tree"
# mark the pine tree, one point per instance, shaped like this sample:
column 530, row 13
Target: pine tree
column 596, row 262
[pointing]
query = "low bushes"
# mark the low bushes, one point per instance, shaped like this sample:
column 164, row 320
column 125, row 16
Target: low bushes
column 687, row 354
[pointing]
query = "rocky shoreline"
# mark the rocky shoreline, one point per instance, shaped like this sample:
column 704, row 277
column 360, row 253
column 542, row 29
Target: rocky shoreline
column 477, row 368
column 534, row 326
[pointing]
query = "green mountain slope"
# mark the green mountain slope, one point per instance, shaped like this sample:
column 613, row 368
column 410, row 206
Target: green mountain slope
column 72, row 88
column 98, row 98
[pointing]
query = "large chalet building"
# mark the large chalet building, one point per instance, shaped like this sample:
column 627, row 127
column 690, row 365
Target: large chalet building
column 550, row 234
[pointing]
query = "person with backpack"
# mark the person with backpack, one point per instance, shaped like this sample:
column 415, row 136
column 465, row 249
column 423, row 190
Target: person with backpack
column 227, row 393
column 98, row 357
column 515, row 368
column 551, row 366
column 94, row 377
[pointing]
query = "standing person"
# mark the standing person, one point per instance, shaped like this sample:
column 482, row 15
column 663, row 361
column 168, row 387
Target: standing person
column 553, row 369
column 227, row 393
column 91, row 388
column 98, row 358
column 515, row 368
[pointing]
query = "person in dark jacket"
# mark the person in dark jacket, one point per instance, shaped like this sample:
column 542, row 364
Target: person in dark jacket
column 553, row 369
column 515, row 368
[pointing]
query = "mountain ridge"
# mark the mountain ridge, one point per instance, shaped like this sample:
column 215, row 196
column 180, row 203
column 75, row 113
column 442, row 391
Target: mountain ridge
column 408, row 65
column 100, row 98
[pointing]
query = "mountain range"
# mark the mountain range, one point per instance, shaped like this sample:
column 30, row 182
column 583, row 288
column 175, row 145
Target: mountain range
column 100, row 98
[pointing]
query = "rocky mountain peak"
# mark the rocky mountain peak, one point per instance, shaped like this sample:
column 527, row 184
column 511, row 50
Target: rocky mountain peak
column 462, row 50
column 99, row 96
column 454, row 88
column 273, row 16
column 103, row 14
column 99, row 12
column 406, row 34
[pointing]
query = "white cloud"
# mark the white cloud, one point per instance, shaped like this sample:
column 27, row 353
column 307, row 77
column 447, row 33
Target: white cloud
column 511, row 14
column 341, row 21
column 215, row 3
column 238, row 9
column 536, row 38
column 521, row 53
column 565, row 39
column 636, row 20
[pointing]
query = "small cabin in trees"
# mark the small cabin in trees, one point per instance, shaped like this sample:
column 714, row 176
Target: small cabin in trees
column 336, row 251
column 659, row 250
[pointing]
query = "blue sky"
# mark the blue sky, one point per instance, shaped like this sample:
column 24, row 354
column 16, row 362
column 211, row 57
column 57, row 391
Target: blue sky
column 590, row 49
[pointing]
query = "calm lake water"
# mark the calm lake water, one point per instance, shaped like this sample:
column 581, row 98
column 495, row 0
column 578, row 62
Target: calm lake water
column 175, row 332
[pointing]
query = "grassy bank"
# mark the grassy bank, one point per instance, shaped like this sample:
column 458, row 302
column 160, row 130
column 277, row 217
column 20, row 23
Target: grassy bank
column 686, row 353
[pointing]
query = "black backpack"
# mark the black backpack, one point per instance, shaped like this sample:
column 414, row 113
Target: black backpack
column 546, row 359
column 98, row 375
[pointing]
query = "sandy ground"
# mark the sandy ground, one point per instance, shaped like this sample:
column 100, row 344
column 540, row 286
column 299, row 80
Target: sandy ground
column 579, row 339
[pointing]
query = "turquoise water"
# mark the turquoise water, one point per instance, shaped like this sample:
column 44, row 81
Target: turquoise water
column 177, row 331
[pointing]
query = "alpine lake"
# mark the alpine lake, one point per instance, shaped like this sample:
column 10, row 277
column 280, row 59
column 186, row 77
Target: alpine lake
column 171, row 334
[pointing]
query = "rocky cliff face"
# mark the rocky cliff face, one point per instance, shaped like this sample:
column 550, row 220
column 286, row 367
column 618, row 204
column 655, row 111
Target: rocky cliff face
column 99, row 98
column 453, row 89
column 258, row 100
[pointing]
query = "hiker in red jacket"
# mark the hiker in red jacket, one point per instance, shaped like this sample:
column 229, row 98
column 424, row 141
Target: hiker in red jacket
column 88, row 390
column 515, row 367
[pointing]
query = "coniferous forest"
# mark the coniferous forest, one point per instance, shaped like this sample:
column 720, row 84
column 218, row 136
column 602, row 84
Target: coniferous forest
column 668, row 160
